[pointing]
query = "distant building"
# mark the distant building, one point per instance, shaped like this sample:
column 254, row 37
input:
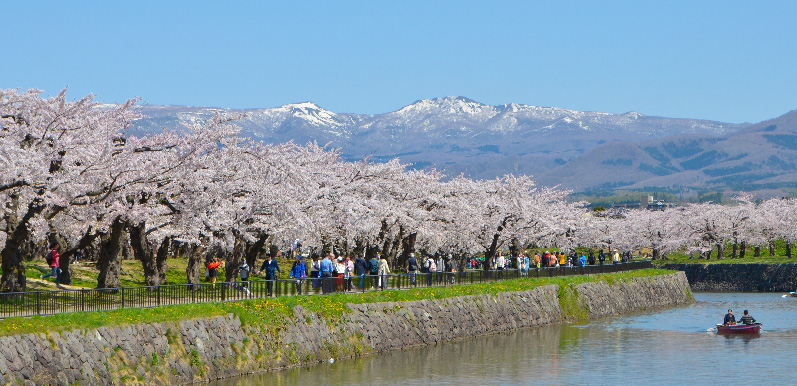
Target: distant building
column 650, row 204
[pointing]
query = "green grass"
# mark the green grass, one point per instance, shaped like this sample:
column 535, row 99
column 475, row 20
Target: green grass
column 747, row 260
column 273, row 313
column 681, row 257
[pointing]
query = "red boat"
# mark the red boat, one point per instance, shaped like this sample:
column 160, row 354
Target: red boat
column 739, row 328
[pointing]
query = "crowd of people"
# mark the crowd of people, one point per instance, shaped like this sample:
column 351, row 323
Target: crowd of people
column 332, row 273
column 339, row 273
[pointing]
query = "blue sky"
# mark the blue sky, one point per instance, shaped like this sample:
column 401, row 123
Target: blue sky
column 731, row 61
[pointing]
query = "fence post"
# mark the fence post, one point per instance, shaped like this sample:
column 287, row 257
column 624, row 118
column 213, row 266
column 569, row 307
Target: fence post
column 223, row 289
column 83, row 299
column 123, row 297
column 38, row 304
column 158, row 289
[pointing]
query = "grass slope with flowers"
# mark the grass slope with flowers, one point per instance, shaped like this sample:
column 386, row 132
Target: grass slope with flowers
column 271, row 313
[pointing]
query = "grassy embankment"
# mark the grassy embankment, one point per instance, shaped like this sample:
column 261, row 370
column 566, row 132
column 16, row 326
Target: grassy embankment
column 779, row 257
column 271, row 313
column 684, row 259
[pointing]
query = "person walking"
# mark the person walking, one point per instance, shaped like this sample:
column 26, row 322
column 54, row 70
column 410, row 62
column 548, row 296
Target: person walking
column 326, row 268
column 432, row 269
column 441, row 272
column 315, row 272
column 412, row 269
column 373, row 269
column 451, row 268
column 360, row 268
column 298, row 273
column 55, row 265
column 340, row 269
column 243, row 271
column 272, row 268
column 383, row 271
column 349, row 272
column 213, row 271
column 601, row 257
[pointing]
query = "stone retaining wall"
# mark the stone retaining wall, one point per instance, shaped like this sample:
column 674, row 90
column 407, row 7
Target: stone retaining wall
column 211, row 348
column 739, row 277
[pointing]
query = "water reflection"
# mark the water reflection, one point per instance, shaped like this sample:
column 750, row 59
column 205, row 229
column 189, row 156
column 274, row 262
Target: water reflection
column 669, row 346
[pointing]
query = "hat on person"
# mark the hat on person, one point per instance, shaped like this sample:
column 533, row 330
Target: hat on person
column 340, row 258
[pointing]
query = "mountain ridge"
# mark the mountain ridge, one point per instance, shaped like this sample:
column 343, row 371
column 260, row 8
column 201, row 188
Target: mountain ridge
column 454, row 134
column 761, row 157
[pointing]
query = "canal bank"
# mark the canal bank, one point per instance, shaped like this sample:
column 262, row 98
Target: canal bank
column 663, row 347
column 725, row 277
column 204, row 349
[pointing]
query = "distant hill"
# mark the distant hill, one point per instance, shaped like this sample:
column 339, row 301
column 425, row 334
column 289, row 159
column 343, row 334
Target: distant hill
column 761, row 157
column 460, row 135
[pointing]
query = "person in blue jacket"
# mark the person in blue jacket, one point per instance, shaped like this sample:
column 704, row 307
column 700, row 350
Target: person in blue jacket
column 360, row 268
column 326, row 273
column 272, row 268
column 298, row 273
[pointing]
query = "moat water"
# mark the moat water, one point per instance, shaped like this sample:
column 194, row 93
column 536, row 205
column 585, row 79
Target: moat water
column 674, row 346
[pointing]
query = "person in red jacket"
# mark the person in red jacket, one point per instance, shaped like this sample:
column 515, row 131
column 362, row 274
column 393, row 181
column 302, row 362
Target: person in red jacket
column 55, row 264
column 213, row 271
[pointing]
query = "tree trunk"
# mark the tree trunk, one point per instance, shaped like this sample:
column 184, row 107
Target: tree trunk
column 391, row 248
column 109, row 264
column 66, row 257
column 720, row 251
column 771, row 248
column 735, row 250
column 256, row 250
column 408, row 246
column 383, row 239
column 143, row 252
column 13, row 258
column 656, row 254
column 488, row 255
column 372, row 252
column 193, row 270
column 395, row 247
column 273, row 249
column 742, row 249
column 514, row 247
column 161, row 260
column 757, row 251
column 234, row 260
column 788, row 250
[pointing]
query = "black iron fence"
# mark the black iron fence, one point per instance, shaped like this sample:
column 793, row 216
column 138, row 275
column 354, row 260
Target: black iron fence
column 54, row 302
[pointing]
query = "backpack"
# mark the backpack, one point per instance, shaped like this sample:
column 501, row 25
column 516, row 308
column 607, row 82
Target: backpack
column 373, row 266
column 432, row 266
column 49, row 258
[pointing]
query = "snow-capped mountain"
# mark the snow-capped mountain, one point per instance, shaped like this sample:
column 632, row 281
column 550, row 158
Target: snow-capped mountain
column 456, row 134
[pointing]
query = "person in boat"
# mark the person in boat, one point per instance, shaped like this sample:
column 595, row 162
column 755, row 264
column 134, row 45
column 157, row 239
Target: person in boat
column 729, row 319
column 747, row 319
